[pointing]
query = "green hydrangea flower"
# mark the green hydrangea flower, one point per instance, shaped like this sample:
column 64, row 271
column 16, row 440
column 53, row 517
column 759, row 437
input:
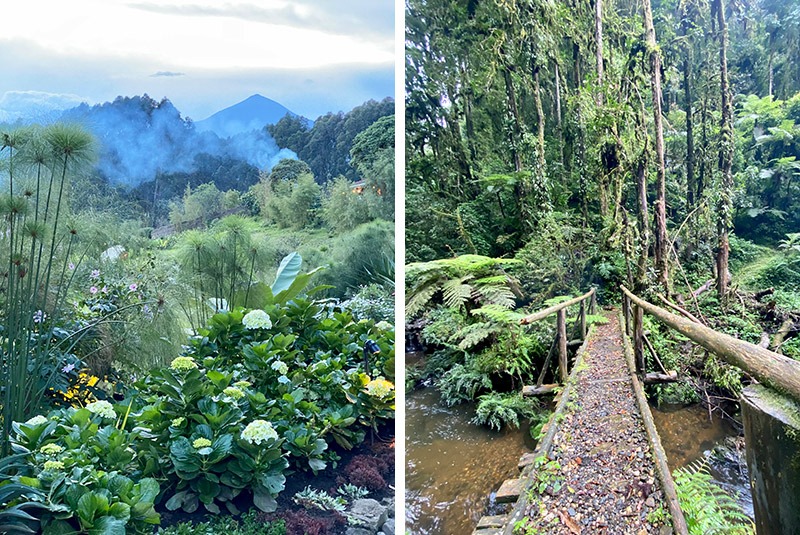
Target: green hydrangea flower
column 102, row 408
column 379, row 388
column 183, row 364
column 177, row 422
column 243, row 384
column 233, row 392
column 51, row 449
column 257, row 319
column 52, row 466
column 201, row 443
column 259, row 431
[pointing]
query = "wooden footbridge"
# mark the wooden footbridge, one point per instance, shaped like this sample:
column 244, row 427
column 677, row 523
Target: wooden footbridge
column 600, row 467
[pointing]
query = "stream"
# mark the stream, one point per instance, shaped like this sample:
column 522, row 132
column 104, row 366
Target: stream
column 454, row 466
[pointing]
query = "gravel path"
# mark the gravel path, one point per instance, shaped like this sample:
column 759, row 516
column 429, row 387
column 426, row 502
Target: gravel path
column 601, row 478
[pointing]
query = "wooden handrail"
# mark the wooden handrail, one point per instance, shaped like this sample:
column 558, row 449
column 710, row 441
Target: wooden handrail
column 772, row 369
column 532, row 318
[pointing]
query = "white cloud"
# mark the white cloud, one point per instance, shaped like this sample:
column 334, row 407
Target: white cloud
column 35, row 104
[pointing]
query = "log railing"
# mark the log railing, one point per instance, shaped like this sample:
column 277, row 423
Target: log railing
column 770, row 368
column 560, row 342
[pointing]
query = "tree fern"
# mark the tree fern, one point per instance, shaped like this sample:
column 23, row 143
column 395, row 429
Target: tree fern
column 498, row 313
column 462, row 282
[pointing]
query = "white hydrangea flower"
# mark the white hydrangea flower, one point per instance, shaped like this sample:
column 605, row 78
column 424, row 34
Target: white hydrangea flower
column 259, row 431
column 102, row 408
column 257, row 319
column 280, row 367
column 37, row 420
column 384, row 326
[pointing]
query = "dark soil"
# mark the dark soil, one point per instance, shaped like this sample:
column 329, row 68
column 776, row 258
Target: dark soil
column 371, row 465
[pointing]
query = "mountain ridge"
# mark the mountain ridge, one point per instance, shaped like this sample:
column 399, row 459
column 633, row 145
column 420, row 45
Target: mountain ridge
column 253, row 113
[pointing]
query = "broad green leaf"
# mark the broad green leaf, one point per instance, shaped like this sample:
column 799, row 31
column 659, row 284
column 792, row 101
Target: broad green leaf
column 287, row 271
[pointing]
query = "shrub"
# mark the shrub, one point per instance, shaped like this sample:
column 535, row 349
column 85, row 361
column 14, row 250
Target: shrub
column 498, row 410
column 373, row 302
column 87, row 463
column 366, row 471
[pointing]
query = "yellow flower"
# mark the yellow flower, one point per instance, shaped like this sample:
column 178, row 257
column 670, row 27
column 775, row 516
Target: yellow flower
column 379, row 388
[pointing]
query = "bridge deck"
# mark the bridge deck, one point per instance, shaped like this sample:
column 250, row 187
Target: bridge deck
column 600, row 476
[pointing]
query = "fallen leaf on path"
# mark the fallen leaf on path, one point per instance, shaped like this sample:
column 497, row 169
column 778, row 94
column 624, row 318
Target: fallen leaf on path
column 574, row 528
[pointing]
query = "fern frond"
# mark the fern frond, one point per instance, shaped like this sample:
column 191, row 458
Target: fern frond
column 474, row 334
column 496, row 295
column 498, row 313
column 494, row 280
column 708, row 508
column 456, row 292
column 417, row 300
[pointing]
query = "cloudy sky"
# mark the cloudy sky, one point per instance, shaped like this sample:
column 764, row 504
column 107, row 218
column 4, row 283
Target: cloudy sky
column 312, row 56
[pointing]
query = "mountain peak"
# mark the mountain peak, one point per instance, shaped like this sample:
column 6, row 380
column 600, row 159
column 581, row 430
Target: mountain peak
column 253, row 113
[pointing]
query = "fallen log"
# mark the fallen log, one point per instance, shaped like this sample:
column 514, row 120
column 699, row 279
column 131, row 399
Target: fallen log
column 539, row 390
column 708, row 284
column 780, row 336
column 683, row 311
column 758, row 295
column 655, row 378
column 775, row 370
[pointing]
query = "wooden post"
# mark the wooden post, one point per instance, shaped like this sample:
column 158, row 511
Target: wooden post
column 593, row 303
column 562, row 344
column 626, row 313
column 583, row 320
column 638, row 339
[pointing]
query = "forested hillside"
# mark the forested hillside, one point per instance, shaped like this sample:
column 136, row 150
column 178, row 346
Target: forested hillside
column 555, row 146
column 522, row 116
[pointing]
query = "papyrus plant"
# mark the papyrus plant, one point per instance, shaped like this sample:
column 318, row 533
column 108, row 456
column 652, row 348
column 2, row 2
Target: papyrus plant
column 37, row 249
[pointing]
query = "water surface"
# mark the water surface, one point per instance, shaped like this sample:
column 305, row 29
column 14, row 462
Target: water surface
column 452, row 465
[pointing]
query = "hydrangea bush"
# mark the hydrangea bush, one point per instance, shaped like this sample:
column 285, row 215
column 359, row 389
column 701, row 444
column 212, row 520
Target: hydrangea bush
column 254, row 393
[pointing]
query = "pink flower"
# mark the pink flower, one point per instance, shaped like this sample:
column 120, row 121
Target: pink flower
column 133, row 287
column 71, row 266
column 95, row 273
column 93, row 290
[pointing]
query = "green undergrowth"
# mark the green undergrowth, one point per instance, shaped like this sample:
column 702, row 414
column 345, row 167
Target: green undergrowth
column 706, row 507
column 247, row 524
